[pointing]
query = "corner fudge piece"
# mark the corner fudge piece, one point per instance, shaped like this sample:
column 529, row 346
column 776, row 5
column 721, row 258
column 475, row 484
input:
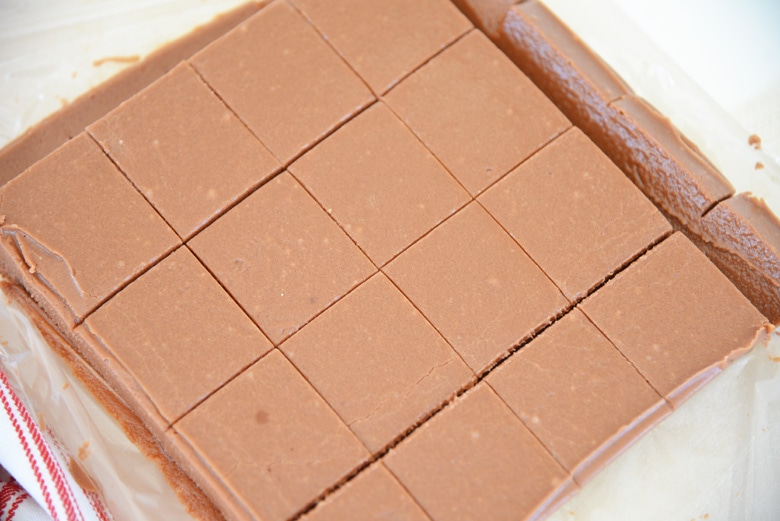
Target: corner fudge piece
column 578, row 395
column 476, row 286
column 676, row 318
column 578, row 81
column 741, row 236
column 170, row 339
column 374, row 495
column 266, row 444
column 377, row 361
column 75, row 231
column 281, row 257
column 571, row 192
column 476, row 460
column 176, row 141
column 385, row 41
column 282, row 79
column 662, row 163
column 487, row 15
column 476, row 111
column 60, row 127
column 382, row 186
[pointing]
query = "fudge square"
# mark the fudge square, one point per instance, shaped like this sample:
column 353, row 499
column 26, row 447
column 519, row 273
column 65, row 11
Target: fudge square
column 75, row 230
column 383, row 187
column 575, row 213
column 374, row 495
column 176, row 141
column 385, row 41
column 377, row 362
column 579, row 396
column 476, row 460
column 676, row 318
column 282, row 79
column 281, row 256
column 476, row 286
column 266, row 443
column 171, row 338
column 476, row 111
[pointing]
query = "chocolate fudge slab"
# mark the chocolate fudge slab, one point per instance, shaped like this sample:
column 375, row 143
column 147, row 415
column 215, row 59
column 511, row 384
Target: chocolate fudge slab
column 571, row 191
column 487, row 15
column 579, row 396
column 578, row 81
column 58, row 128
column 476, row 111
column 385, row 41
column 476, row 460
column 171, row 338
column 476, row 286
column 281, row 257
column 299, row 92
column 374, row 495
column 176, row 141
column 266, row 444
column 741, row 236
column 377, row 361
column 382, row 186
column 676, row 318
column 75, row 230
column 660, row 161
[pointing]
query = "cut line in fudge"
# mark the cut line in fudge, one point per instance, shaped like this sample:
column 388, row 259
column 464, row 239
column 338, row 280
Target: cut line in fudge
column 456, row 237
column 668, row 168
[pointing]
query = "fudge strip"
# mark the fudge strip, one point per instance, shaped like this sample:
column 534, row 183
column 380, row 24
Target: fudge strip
column 297, row 344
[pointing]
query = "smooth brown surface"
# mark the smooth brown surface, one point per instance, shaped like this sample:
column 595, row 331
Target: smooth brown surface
column 476, row 460
column 575, row 213
column 676, row 318
column 578, row 395
column 657, row 158
column 382, row 186
column 384, row 41
column 177, row 142
column 281, row 257
column 176, row 335
column 377, row 362
column 375, row 495
column 80, row 227
column 296, row 94
column 270, row 439
column 476, row 286
column 487, row 15
column 741, row 236
column 561, row 65
column 43, row 138
column 476, row 111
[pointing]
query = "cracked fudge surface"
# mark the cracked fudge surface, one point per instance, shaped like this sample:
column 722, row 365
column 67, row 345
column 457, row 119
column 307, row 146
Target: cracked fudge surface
column 354, row 291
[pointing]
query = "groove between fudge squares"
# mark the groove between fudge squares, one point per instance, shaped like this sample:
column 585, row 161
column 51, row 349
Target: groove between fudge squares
column 378, row 456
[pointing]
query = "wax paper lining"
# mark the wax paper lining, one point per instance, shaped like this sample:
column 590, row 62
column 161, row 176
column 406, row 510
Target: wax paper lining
column 717, row 457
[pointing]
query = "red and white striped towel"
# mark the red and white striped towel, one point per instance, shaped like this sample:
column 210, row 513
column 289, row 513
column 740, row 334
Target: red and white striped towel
column 40, row 476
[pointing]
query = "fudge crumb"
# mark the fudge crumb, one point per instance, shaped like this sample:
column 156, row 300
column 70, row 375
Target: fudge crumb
column 116, row 59
column 759, row 165
column 754, row 141
column 84, row 451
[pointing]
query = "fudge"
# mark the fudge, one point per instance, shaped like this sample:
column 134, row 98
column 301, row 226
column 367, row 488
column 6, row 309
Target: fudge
column 42, row 139
column 666, row 166
column 390, row 290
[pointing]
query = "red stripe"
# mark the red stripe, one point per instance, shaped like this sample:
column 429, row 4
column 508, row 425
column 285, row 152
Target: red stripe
column 53, row 467
column 9, row 489
column 26, row 447
column 12, row 511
